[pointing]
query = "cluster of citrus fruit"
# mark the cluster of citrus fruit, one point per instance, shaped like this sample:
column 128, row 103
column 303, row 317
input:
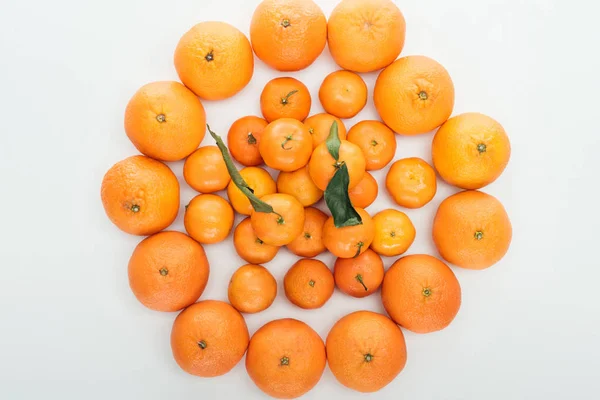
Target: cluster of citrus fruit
column 316, row 157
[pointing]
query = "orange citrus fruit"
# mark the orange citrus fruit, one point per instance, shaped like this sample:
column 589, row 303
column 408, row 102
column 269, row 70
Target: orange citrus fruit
column 281, row 226
column 365, row 351
column 343, row 94
column 300, row 185
column 258, row 180
column 205, row 171
column 349, row 241
column 470, row 150
column 411, row 182
column 288, row 35
column 168, row 271
column 359, row 276
column 414, row 95
column 140, row 195
column 165, row 121
column 250, row 247
column 309, row 284
column 421, row 293
column 310, row 242
column 471, row 229
column 252, row 289
column 243, row 138
column 285, row 98
column 214, row 60
column 286, row 358
column 209, row 338
column 322, row 166
column 208, row 218
column 365, row 193
column 365, row 35
column 377, row 142
column 394, row 233
column 319, row 125
column 285, row 145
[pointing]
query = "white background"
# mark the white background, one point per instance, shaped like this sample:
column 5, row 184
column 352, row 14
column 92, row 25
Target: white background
column 70, row 327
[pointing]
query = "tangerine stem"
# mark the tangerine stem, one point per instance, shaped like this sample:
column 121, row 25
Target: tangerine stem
column 286, row 99
column 287, row 139
column 360, row 246
column 359, row 278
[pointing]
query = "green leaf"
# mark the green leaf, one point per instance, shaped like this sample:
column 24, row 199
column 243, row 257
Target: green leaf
column 338, row 200
column 257, row 204
column 333, row 141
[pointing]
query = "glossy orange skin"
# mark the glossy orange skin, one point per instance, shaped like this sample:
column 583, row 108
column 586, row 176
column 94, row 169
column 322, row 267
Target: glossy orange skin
column 286, row 358
column 252, row 289
column 214, row 60
column 220, row 327
column 365, row 193
column 377, row 142
column 343, row 94
column 310, row 242
column 282, row 229
column 168, row 271
column 394, row 233
column 140, row 195
column 421, row 293
column 346, row 242
column 472, row 230
column 411, row 182
column 319, row 126
column 309, row 284
column 470, row 151
column 360, row 336
column 243, row 138
column 370, row 268
column 293, row 46
column 249, row 247
column 300, row 185
column 165, row 121
column 208, row 218
column 205, row 171
column 285, row 145
column 398, row 100
column 258, row 180
column 276, row 101
column 365, row 35
column 322, row 165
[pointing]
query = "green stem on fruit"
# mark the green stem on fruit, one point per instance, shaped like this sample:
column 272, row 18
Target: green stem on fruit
column 360, row 245
column 257, row 204
column 285, row 100
column 359, row 278
column 287, row 139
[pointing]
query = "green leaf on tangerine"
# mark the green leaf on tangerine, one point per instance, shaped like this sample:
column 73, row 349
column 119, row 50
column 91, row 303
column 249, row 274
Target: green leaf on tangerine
column 333, row 141
column 338, row 200
column 257, row 204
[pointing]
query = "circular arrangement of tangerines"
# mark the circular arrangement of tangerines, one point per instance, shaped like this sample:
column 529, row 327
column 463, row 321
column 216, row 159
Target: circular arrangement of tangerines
column 317, row 157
